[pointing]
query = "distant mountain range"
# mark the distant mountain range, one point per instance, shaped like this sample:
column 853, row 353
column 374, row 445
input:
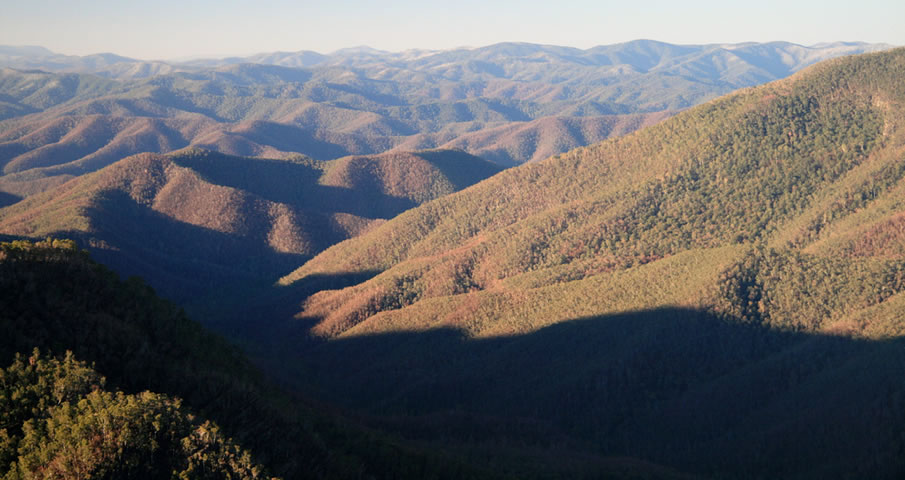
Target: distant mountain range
column 508, row 103
column 519, row 61
column 514, row 103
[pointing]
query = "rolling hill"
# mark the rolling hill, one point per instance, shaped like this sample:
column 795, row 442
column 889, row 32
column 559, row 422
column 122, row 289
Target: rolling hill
column 720, row 292
column 194, row 221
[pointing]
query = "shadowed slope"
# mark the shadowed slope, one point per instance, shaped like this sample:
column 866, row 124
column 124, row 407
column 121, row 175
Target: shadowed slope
column 7, row 199
column 56, row 299
column 680, row 387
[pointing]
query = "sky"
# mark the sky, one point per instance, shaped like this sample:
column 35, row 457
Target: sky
column 178, row 29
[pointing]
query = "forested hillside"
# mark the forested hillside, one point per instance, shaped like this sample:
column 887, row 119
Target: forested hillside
column 102, row 379
column 774, row 166
column 61, row 423
column 720, row 292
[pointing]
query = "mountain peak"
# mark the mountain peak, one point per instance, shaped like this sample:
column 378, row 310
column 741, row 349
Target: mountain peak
column 359, row 50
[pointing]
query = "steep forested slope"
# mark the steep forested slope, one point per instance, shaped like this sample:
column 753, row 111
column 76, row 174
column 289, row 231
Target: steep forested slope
column 775, row 165
column 177, row 400
column 721, row 292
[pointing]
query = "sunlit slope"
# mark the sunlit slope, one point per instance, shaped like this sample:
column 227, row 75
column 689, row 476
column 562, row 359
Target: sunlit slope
column 791, row 164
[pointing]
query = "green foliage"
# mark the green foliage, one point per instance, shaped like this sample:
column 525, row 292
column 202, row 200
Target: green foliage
column 34, row 385
column 60, row 423
column 786, row 289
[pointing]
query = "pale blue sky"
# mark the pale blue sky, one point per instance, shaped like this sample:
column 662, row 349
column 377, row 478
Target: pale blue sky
column 166, row 29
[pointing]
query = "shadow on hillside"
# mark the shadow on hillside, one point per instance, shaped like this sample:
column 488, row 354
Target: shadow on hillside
column 13, row 108
column 182, row 261
column 451, row 163
column 294, row 184
column 168, row 98
column 10, row 238
column 680, row 387
column 771, row 62
column 262, row 316
column 291, row 138
column 7, row 199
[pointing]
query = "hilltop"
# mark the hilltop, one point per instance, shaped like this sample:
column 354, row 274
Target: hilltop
column 738, row 262
column 195, row 221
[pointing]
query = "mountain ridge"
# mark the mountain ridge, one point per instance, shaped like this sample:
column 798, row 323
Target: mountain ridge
column 573, row 160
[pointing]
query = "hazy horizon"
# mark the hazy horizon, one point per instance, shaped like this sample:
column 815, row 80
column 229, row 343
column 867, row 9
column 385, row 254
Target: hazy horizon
column 187, row 58
column 171, row 30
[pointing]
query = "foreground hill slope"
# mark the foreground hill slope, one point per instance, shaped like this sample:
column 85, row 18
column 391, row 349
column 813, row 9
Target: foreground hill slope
column 190, row 220
column 61, row 420
column 738, row 262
